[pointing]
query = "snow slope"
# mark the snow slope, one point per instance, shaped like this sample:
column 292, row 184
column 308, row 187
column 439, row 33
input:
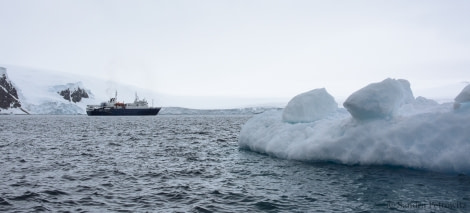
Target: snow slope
column 38, row 93
column 38, row 90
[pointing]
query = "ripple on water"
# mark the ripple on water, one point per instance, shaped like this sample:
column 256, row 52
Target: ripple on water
column 186, row 164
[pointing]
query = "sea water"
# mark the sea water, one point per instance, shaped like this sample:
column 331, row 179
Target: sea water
column 192, row 164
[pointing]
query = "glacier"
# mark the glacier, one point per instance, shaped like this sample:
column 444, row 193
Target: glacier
column 39, row 91
column 381, row 124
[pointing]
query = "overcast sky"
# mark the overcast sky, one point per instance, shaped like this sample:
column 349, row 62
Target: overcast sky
column 238, row 48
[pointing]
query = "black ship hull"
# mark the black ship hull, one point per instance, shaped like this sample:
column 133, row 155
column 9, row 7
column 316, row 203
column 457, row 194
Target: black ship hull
column 123, row 112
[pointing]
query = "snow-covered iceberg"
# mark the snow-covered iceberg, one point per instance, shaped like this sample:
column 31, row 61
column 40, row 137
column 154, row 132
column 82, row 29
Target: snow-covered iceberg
column 462, row 101
column 310, row 106
column 383, row 125
column 379, row 100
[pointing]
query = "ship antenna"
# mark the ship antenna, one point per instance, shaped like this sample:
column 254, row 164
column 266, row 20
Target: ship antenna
column 115, row 95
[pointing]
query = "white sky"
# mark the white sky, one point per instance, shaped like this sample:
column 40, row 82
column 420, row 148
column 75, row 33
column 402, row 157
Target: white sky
column 242, row 48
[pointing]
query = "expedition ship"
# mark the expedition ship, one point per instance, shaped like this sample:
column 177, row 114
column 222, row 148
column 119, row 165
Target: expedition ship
column 114, row 108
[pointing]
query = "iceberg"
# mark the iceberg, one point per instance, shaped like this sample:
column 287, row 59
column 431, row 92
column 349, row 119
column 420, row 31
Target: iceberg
column 463, row 99
column 382, row 125
column 379, row 100
column 309, row 106
column 463, row 96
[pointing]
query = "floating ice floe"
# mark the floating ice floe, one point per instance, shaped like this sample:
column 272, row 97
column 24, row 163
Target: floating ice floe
column 383, row 124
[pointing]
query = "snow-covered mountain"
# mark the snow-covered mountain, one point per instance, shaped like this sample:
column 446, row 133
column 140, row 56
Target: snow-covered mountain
column 33, row 91
column 27, row 92
column 8, row 93
column 73, row 92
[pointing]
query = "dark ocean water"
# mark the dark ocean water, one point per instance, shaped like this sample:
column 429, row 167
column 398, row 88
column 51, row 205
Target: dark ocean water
column 192, row 164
